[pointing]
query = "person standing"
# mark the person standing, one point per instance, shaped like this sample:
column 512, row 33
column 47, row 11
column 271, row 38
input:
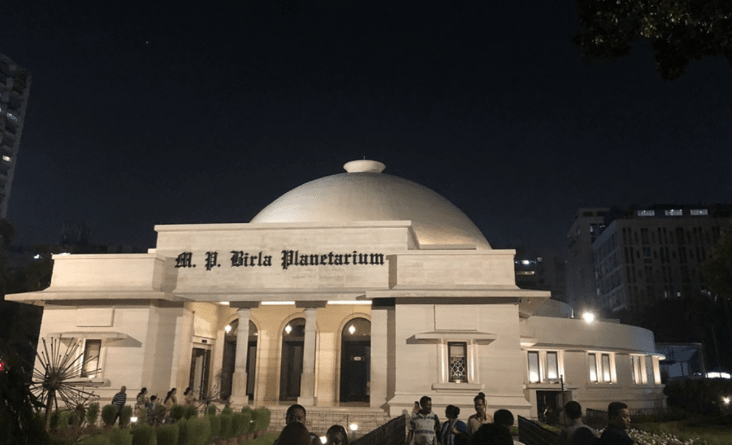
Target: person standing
column 452, row 428
column 424, row 427
column 618, row 424
column 571, row 435
column 118, row 401
column 141, row 400
column 480, row 417
column 188, row 396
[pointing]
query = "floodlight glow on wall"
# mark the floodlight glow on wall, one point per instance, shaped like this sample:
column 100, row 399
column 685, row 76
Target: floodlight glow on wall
column 589, row 317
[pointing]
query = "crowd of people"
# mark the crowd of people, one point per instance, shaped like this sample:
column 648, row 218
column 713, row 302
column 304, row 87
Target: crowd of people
column 482, row 428
column 157, row 412
column 425, row 427
column 296, row 433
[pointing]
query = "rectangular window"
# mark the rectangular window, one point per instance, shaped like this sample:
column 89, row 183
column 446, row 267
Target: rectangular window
column 592, row 362
column 90, row 364
column 458, row 358
column 635, row 364
column 552, row 366
column 606, row 375
column 534, row 367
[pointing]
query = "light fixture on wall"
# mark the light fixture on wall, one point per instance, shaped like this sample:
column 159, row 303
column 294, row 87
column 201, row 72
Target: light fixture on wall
column 352, row 329
column 288, row 329
column 227, row 328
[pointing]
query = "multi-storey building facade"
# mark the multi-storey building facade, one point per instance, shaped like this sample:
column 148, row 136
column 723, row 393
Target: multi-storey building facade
column 647, row 254
column 14, row 87
column 581, row 286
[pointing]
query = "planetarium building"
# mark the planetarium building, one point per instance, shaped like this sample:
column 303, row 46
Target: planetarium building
column 357, row 287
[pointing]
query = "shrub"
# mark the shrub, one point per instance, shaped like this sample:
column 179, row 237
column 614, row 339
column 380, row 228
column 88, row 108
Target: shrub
column 97, row 439
column 167, row 434
column 177, row 412
column 142, row 415
column 191, row 411
column 227, row 410
column 261, row 419
column 215, row 422
column 64, row 419
column 125, row 416
column 239, row 424
column 211, row 410
column 120, row 436
column 143, row 435
column 198, row 431
column 92, row 414
column 109, row 412
column 225, row 431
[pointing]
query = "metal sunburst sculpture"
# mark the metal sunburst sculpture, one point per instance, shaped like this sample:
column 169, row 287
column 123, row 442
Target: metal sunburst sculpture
column 56, row 375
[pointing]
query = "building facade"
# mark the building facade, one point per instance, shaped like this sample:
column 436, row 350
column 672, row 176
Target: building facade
column 648, row 254
column 357, row 287
column 14, row 88
column 587, row 225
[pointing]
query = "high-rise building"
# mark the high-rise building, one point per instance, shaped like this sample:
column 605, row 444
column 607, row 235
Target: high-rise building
column 651, row 253
column 14, row 87
column 581, row 286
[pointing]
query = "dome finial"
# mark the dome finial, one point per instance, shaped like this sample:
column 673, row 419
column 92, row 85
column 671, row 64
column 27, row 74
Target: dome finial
column 364, row 166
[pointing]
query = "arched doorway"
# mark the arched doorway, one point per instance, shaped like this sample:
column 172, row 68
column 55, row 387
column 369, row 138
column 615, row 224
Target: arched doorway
column 356, row 361
column 293, row 342
column 229, row 362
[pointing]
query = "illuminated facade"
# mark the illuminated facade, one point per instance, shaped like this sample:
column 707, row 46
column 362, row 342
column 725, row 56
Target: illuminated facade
column 14, row 87
column 356, row 287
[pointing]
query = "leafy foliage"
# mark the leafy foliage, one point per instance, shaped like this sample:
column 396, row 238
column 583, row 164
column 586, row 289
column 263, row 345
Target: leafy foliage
column 191, row 411
column 215, row 422
column 167, row 434
column 92, row 414
column 679, row 31
column 18, row 421
column 143, row 435
column 177, row 412
column 109, row 412
column 225, row 431
column 125, row 416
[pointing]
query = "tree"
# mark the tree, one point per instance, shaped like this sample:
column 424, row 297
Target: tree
column 679, row 31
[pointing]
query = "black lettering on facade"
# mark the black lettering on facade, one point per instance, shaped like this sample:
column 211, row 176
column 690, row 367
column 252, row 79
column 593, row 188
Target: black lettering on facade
column 184, row 260
column 377, row 259
column 212, row 260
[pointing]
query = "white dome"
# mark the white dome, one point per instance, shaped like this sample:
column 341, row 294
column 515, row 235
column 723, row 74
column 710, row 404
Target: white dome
column 364, row 194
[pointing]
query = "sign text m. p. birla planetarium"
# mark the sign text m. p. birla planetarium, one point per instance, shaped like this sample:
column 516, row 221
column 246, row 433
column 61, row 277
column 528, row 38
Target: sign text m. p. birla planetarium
column 290, row 258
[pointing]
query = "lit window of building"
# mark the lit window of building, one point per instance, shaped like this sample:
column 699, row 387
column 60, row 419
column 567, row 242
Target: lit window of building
column 674, row 212
column 458, row 358
column 90, row 361
column 600, row 367
column 699, row 212
column 534, row 371
column 645, row 213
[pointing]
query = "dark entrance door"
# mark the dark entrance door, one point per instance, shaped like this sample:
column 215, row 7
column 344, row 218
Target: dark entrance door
column 293, row 342
column 549, row 405
column 356, row 361
column 200, row 367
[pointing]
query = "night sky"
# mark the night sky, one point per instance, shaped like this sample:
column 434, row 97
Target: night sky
column 157, row 112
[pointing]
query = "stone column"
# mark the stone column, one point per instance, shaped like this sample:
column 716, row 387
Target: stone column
column 307, row 380
column 239, row 379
